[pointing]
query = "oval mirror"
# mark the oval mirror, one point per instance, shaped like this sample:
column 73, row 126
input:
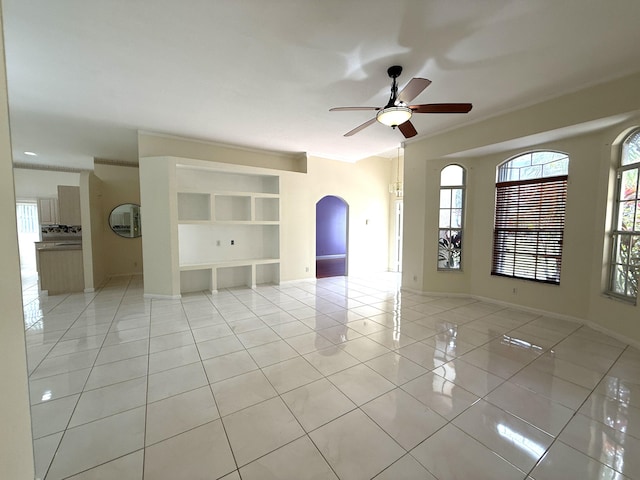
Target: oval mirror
column 124, row 220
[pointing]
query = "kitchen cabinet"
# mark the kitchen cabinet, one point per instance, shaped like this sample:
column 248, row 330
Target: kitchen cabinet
column 48, row 211
column 69, row 205
column 60, row 267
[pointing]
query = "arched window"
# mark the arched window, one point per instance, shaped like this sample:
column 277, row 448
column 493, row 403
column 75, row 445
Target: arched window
column 452, row 185
column 625, row 253
column 531, row 194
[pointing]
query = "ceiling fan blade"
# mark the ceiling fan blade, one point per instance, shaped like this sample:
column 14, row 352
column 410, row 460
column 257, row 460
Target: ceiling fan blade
column 407, row 129
column 414, row 88
column 350, row 109
column 441, row 108
column 360, row 127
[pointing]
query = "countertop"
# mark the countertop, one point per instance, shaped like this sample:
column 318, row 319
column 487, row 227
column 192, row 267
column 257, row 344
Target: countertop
column 59, row 245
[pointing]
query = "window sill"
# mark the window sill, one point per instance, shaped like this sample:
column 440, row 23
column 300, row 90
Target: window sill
column 619, row 298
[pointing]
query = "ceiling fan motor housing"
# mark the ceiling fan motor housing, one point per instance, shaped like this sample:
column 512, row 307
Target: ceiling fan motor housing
column 394, row 71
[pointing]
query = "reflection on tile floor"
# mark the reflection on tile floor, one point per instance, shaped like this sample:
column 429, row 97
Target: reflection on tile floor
column 343, row 378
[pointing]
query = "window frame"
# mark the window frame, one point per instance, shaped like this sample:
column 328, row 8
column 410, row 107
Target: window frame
column 615, row 232
column 541, row 234
column 462, row 186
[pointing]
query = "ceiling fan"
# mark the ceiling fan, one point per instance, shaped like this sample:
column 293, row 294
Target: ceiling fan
column 397, row 112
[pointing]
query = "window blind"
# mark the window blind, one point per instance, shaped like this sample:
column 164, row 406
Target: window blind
column 529, row 229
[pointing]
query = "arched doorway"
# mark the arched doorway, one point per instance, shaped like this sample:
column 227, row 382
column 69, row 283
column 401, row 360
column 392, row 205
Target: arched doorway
column 331, row 237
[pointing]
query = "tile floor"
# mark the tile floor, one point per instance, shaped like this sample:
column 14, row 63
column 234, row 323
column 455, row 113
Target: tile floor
column 344, row 378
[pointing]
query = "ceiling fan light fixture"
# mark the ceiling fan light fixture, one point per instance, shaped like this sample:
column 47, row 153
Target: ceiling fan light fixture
column 394, row 116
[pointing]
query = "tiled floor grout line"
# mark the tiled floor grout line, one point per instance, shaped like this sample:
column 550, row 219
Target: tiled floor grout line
column 484, row 397
column 224, row 428
column 270, row 365
column 356, row 406
column 565, row 336
column 146, row 397
column 279, row 395
column 64, row 431
column 359, row 407
column 450, row 421
column 555, row 438
column 536, row 393
column 201, row 361
column 306, row 433
column 248, row 301
column 61, row 336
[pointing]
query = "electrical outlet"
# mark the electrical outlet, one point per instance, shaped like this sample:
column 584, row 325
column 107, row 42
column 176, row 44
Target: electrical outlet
column 514, row 291
column 306, row 269
column 233, row 242
column 217, row 243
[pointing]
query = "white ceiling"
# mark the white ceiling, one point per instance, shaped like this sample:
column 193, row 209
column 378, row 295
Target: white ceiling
column 85, row 75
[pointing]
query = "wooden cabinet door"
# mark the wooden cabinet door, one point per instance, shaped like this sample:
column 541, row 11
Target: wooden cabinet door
column 47, row 211
column 69, row 204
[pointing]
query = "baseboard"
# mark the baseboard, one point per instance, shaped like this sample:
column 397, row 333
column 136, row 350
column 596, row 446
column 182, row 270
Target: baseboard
column 89, row 290
column 538, row 311
column 611, row 333
column 300, row 280
column 412, row 291
column 582, row 321
column 436, row 294
column 157, row 296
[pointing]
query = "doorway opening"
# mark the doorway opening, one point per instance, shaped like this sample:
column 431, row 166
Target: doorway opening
column 331, row 237
column 28, row 234
column 397, row 258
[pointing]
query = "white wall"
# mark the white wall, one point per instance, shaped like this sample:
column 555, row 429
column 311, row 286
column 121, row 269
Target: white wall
column 16, row 450
column 118, row 184
column 32, row 184
column 159, row 242
column 573, row 127
column 157, row 145
column 93, row 231
column 394, row 174
column 363, row 185
column 413, row 236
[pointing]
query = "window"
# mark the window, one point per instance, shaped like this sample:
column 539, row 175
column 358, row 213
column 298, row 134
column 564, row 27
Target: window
column 531, row 194
column 452, row 182
column 27, row 216
column 625, row 254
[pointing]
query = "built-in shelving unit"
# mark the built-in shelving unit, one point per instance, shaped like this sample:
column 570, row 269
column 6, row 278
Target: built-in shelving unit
column 228, row 228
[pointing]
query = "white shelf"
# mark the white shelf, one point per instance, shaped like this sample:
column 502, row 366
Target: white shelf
column 234, row 193
column 228, row 222
column 232, row 207
column 228, row 229
column 232, row 273
column 229, row 263
column 266, row 209
column 194, row 206
column 195, row 222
